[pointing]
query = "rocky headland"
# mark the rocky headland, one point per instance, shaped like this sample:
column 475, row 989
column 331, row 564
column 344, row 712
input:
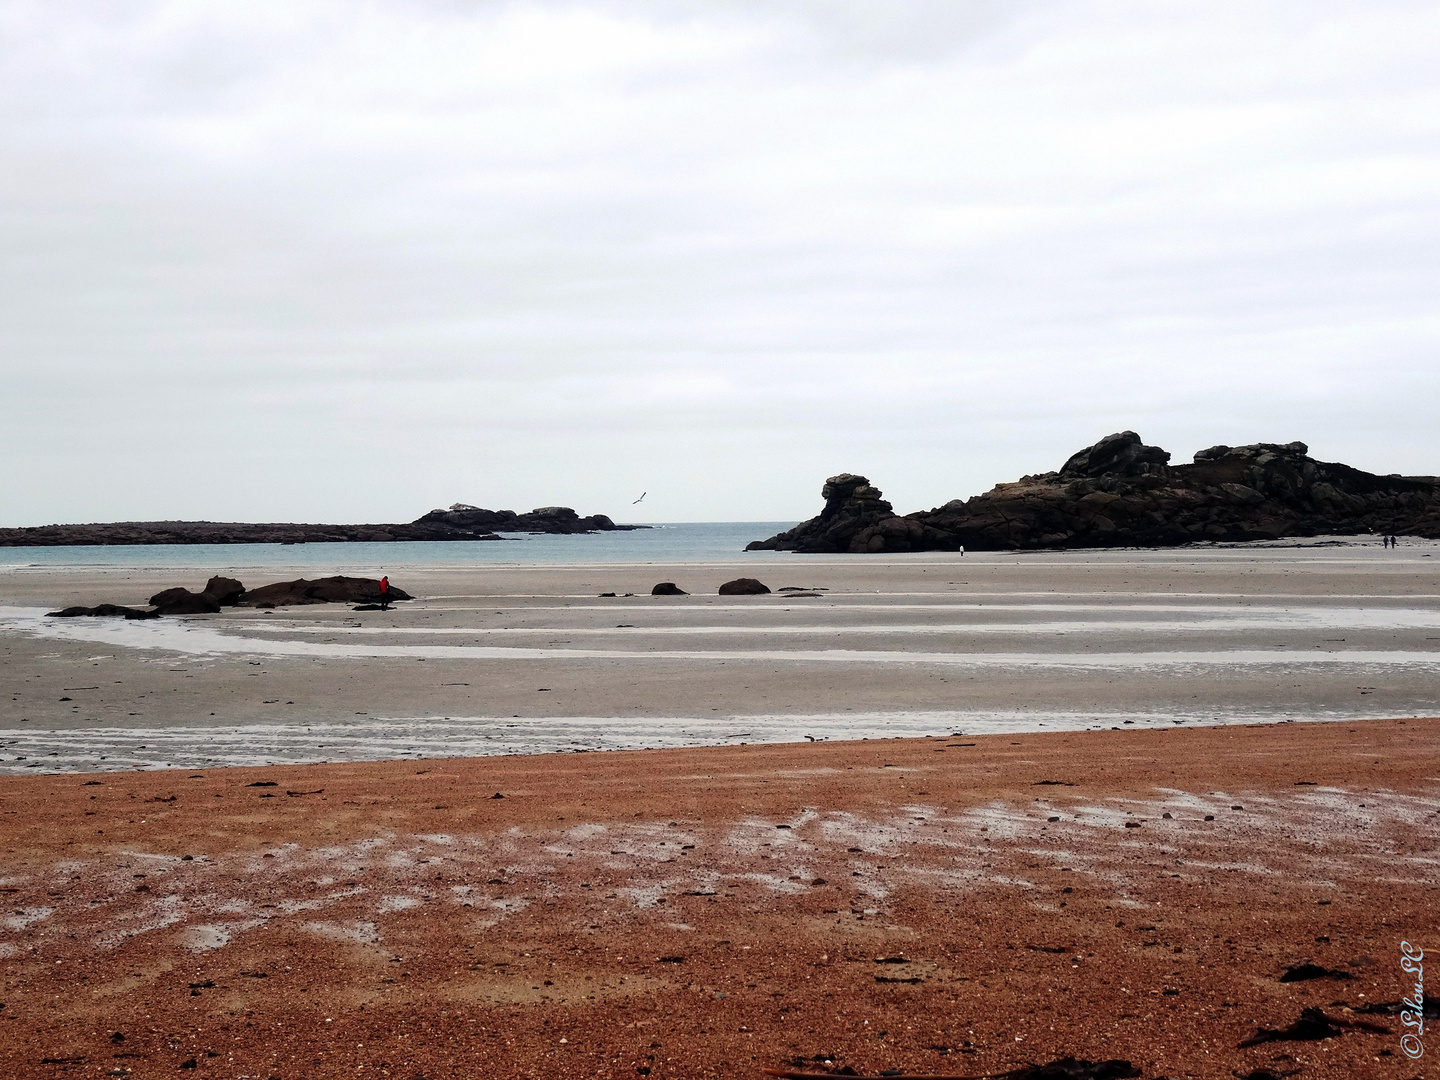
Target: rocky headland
column 1123, row 493
column 459, row 522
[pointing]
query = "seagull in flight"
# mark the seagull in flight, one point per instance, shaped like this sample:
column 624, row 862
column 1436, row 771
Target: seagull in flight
column 638, row 501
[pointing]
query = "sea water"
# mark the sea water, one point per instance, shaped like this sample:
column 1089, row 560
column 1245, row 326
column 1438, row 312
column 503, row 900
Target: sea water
column 667, row 543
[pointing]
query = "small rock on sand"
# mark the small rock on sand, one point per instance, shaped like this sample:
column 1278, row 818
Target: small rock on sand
column 743, row 586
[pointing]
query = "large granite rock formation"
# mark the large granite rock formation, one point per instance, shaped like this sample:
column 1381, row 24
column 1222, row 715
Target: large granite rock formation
column 1121, row 492
column 460, row 522
column 855, row 518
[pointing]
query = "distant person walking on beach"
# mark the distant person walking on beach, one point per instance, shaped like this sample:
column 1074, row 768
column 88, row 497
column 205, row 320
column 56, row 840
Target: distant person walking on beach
column 385, row 594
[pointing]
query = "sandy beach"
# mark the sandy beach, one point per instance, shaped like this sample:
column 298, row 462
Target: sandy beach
column 530, row 658
column 935, row 906
column 335, row 860
column 712, row 541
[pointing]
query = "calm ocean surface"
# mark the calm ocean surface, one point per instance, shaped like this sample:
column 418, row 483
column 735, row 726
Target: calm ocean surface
column 674, row 543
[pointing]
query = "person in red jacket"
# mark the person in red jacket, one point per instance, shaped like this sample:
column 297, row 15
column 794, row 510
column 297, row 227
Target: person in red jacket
column 385, row 594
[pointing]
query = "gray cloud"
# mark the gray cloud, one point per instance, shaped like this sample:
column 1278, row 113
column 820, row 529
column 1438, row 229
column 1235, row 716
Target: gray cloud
column 277, row 261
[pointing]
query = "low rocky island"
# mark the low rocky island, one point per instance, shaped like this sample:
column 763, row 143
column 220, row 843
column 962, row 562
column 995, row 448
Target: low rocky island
column 459, row 522
column 1123, row 493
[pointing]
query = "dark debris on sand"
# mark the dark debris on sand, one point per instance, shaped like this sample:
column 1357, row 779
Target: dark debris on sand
column 1431, row 1005
column 1306, row 972
column 1311, row 1026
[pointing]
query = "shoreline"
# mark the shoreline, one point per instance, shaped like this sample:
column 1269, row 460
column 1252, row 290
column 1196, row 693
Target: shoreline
column 84, row 750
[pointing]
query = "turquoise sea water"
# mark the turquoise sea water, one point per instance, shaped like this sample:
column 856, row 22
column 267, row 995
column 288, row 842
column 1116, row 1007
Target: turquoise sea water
column 672, row 543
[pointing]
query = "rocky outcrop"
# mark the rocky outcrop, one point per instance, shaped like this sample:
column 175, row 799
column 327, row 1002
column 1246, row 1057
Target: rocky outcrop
column 227, row 592
column 1121, row 492
column 668, row 588
column 331, row 590
column 1122, row 454
column 856, row 518
column 460, row 522
column 744, row 586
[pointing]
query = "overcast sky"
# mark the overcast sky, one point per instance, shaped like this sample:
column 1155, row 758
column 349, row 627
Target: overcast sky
column 350, row 261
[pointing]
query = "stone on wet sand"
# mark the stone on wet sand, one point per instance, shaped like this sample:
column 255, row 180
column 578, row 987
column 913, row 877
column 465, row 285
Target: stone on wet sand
column 103, row 611
column 744, row 586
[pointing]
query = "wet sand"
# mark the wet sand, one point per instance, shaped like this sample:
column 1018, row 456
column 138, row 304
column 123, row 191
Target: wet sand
column 530, row 658
column 953, row 906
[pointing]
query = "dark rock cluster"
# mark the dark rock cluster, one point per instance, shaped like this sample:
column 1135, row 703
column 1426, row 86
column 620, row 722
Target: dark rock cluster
column 1121, row 492
column 330, row 590
column 460, row 522
column 227, row 592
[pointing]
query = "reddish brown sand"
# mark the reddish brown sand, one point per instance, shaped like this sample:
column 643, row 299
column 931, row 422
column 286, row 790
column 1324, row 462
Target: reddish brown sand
column 934, row 906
